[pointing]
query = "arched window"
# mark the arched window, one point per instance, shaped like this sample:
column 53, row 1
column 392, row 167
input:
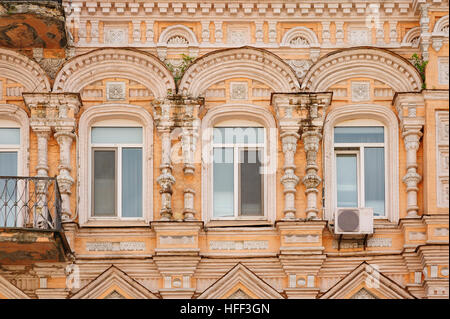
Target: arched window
column 361, row 160
column 239, row 164
column 116, row 171
column 14, row 137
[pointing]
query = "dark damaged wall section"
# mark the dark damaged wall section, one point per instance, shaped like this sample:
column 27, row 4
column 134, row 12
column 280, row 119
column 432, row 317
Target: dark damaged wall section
column 32, row 24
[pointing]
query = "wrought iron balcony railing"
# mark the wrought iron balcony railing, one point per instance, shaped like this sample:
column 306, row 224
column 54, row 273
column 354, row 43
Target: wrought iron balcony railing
column 30, row 202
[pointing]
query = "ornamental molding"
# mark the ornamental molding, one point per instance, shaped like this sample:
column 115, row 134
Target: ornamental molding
column 116, row 246
column 240, row 276
column 238, row 244
column 411, row 38
column 177, row 36
column 23, row 70
column 378, row 64
column 108, row 281
column 247, row 62
column 115, row 63
column 300, row 37
column 249, row 9
column 10, row 291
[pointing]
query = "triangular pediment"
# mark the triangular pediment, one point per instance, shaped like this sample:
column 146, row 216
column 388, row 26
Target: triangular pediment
column 113, row 283
column 366, row 282
column 9, row 291
column 240, row 283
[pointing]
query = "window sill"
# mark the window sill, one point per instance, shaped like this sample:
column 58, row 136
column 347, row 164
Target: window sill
column 115, row 223
column 238, row 223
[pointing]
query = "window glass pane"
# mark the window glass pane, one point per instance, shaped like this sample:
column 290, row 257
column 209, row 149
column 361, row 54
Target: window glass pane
column 250, row 183
column 9, row 136
column 104, row 183
column 233, row 135
column 374, row 179
column 359, row 134
column 131, row 182
column 347, row 186
column 223, row 184
column 110, row 135
column 8, row 192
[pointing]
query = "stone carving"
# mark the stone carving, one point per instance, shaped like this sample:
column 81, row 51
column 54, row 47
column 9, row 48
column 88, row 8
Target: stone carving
column 239, row 294
column 300, row 67
column 114, row 295
column 239, row 90
column 218, row 31
column 116, row 246
column 177, row 40
column 363, row 294
column 115, row 91
column 372, row 242
column 299, row 42
column 176, row 240
column 238, row 245
column 115, row 36
column 414, row 235
column 441, row 232
column 443, row 71
column 238, row 36
column 301, row 238
column 289, row 179
column 360, row 91
column 442, row 158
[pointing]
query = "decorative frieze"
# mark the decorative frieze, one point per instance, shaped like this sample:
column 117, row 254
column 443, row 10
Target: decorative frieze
column 176, row 240
column 238, row 244
column 301, row 238
column 442, row 158
column 116, row 246
column 371, row 242
column 443, row 71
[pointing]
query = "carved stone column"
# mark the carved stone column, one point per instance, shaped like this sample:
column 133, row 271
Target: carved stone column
column 411, row 135
column 407, row 105
column 311, row 138
column 166, row 179
column 288, row 120
column 189, row 138
column 424, row 31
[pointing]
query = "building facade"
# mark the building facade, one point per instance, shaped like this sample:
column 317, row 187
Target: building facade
column 224, row 149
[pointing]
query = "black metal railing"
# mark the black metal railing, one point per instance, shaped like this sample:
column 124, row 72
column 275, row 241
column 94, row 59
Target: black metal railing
column 30, row 202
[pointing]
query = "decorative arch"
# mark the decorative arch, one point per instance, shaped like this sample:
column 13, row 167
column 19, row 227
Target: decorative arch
column 18, row 115
column 178, row 30
column 114, row 112
column 23, row 70
column 366, row 282
column 240, row 282
column 369, row 62
column 113, row 283
column 363, row 111
column 249, row 112
column 412, row 38
column 108, row 63
column 441, row 26
column 9, row 291
column 257, row 64
column 308, row 36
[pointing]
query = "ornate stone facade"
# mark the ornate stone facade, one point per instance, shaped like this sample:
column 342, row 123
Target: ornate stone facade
column 296, row 70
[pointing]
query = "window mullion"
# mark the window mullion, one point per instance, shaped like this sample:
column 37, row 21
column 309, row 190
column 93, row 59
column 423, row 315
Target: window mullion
column 119, row 182
column 362, row 178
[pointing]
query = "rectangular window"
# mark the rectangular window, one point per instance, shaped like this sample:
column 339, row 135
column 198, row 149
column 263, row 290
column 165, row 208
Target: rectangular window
column 238, row 179
column 117, row 172
column 360, row 167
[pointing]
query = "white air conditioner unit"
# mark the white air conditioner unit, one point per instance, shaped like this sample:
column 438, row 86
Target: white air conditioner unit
column 354, row 221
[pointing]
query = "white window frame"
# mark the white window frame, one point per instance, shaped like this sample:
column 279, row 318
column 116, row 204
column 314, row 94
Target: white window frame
column 358, row 149
column 117, row 147
column 241, row 115
column 114, row 115
column 237, row 187
column 363, row 113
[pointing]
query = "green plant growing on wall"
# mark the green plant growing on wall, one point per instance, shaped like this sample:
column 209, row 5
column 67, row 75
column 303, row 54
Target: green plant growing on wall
column 420, row 65
column 178, row 71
